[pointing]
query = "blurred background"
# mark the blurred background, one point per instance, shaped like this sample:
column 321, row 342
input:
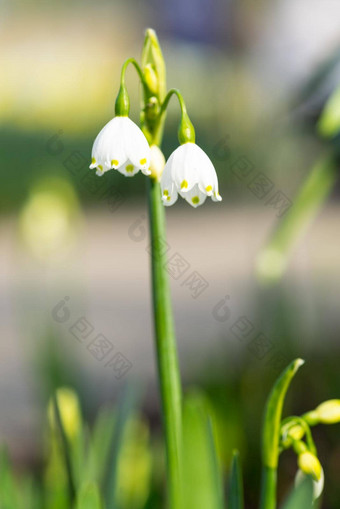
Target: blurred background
column 75, row 282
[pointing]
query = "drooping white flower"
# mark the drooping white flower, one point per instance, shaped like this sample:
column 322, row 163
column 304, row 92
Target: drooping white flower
column 189, row 173
column 317, row 485
column 121, row 146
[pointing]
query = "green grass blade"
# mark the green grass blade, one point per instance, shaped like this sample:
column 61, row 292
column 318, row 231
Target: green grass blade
column 235, row 495
column 201, row 477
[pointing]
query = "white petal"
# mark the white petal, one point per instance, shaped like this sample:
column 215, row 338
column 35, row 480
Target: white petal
column 128, row 169
column 184, row 172
column 195, row 196
column 192, row 173
column 136, row 145
column 108, row 148
column 317, row 485
column 166, row 179
column 169, row 196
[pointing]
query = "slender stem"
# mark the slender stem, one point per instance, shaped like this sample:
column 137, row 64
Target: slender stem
column 177, row 93
column 167, row 360
column 268, row 488
column 138, row 69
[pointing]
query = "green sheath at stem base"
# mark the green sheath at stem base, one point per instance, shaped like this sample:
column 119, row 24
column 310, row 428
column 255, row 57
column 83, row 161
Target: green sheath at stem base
column 168, row 370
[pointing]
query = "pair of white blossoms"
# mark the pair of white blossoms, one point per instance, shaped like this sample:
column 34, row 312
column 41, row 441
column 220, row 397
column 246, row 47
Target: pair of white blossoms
column 122, row 146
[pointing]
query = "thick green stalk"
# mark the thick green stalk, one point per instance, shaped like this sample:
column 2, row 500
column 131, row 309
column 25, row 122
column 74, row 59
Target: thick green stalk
column 168, row 369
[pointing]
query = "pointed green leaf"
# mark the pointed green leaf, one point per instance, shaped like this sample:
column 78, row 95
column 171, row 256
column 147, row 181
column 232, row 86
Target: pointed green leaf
column 329, row 122
column 272, row 416
column 235, row 496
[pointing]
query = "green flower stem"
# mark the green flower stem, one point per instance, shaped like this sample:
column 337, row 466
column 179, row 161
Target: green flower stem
column 152, row 122
column 186, row 131
column 136, row 66
column 168, row 369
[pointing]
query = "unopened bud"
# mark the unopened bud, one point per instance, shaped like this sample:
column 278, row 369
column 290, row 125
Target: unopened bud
column 151, row 78
column 329, row 411
column 296, row 432
column 157, row 162
column 310, row 465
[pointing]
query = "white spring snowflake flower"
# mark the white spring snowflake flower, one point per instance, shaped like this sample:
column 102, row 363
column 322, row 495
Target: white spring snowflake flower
column 121, row 146
column 190, row 173
column 317, row 485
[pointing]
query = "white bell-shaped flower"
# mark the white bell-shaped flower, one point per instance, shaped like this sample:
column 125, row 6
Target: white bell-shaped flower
column 121, row 146
column 190, row 173
column 317, row 485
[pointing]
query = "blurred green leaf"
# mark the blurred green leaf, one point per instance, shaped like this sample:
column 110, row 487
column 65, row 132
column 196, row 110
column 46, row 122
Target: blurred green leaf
column 125, row 407
column 8, row 494
column 235, row 495
column 89, row 497
column 201, row 477
column 273, row 258
column 329, row 122
column 100, row 441
column 301, row 497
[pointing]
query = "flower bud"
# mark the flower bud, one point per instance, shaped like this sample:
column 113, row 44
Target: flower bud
column 329, row 411
column 296, row 432
column 152, row 58
column 310, row 465
column 157, row 162
column 291, row 432
column 151, row 78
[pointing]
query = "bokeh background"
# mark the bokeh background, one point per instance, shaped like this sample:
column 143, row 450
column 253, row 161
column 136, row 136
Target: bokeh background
column 255, row 77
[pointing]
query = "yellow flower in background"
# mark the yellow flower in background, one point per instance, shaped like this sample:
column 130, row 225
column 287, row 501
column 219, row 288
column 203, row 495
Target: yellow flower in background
column 70, row 412
column 49, row 219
